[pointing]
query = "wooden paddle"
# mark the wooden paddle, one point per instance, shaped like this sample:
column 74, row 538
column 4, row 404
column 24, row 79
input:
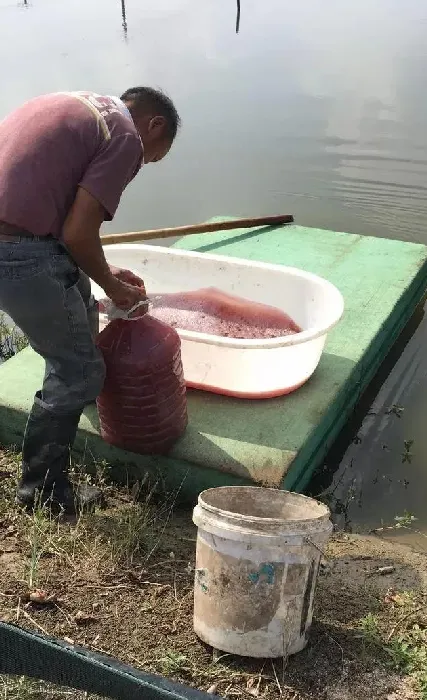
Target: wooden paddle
column 130, row 237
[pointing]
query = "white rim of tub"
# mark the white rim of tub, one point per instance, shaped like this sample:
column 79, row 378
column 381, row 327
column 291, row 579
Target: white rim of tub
column 281, row 341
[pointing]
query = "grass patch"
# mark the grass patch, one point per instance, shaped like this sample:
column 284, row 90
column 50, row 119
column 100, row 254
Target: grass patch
column 22, row 688
column 120, row 581
column 11, row 339
column 404, row 639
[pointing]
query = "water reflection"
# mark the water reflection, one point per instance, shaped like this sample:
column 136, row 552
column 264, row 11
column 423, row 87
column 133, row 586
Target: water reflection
column 238, row 16
column 124, row 20
column 314, row 109
column 380, row 481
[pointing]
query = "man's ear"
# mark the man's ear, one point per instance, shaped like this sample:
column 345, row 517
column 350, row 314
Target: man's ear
column 157, row 124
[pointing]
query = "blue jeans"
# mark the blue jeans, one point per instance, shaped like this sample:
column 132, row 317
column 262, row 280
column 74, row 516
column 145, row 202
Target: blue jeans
column 49, row 299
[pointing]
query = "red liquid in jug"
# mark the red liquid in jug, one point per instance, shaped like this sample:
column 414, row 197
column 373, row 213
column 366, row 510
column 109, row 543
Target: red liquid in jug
column 142, row 407
column 217, row 313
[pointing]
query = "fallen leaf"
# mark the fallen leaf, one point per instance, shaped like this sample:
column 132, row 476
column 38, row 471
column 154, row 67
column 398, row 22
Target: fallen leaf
column 392, row 597
column 41, row 597
column 389, row 596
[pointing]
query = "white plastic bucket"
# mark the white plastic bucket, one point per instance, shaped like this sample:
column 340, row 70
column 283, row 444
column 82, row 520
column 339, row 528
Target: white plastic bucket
column 257, row 560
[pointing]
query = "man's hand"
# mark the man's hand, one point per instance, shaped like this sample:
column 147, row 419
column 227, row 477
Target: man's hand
column 124, row 295
column 125, row 288
column 128, row 277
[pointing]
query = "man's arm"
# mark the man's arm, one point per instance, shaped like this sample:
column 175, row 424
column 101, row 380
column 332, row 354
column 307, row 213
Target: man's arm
column 81, row 237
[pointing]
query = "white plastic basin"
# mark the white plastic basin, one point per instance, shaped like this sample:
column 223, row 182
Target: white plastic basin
column 242, row 368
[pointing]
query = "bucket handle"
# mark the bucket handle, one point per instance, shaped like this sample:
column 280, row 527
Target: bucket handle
column 316, row 546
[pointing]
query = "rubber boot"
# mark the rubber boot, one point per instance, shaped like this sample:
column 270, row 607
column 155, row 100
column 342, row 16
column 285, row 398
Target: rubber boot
column 45, row 462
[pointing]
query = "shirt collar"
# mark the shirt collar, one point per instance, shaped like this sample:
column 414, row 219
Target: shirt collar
column 122, row 107
column 124, row 110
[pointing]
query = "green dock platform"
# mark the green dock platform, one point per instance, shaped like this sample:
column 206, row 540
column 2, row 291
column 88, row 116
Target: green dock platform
column 277, row 442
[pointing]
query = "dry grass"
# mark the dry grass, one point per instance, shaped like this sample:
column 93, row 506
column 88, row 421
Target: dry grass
column 120, row 581
column 11, row 339
column 27, row 689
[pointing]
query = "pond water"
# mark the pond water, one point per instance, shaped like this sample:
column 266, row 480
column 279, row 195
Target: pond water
column 317, row 109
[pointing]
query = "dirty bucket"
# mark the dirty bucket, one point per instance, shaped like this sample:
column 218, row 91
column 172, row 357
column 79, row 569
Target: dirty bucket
column 258, row 555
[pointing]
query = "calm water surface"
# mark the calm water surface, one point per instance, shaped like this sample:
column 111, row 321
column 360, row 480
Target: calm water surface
column 318, row 109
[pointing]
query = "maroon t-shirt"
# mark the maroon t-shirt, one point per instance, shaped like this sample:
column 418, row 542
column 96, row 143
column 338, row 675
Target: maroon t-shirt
column 55, row 143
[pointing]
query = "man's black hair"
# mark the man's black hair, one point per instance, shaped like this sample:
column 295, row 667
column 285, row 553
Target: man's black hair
column 143, row 98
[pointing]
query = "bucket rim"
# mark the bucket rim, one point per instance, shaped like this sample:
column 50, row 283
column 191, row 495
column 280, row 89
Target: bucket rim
column 215, row 510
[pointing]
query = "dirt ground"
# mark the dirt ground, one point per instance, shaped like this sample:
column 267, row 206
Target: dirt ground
column 120, row 581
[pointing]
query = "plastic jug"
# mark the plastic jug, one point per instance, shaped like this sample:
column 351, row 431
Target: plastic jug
column 143, row 405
